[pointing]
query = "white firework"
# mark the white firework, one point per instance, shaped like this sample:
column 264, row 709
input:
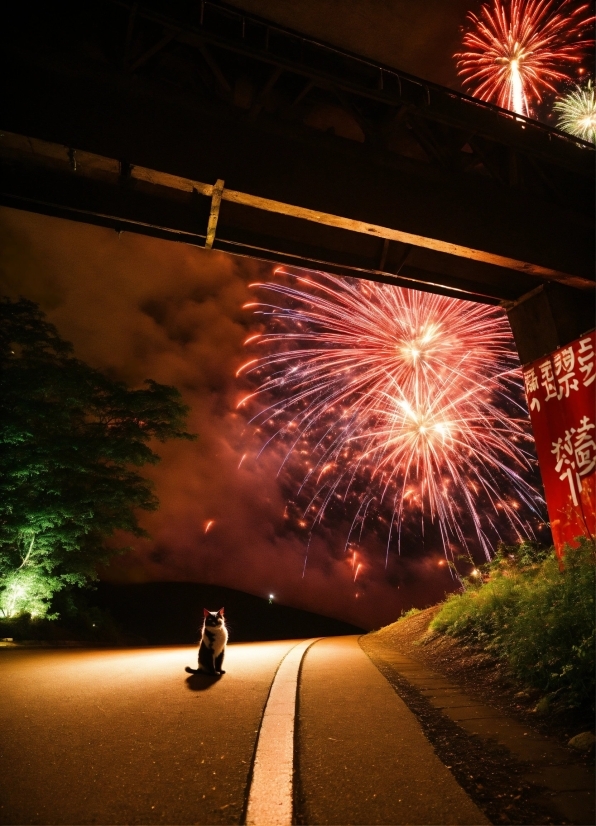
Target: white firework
column 577, row 112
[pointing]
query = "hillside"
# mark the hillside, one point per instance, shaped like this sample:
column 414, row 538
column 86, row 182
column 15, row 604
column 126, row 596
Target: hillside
column 166, row 613
column 478, row 673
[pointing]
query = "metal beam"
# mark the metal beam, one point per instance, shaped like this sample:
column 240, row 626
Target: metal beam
column 432, row 101
column 216, row 196
column 95, row 166
column 152, row 50
column 342, row 222
column 297, row 190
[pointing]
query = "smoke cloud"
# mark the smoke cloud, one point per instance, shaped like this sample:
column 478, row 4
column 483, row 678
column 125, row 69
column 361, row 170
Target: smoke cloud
column 140, row 308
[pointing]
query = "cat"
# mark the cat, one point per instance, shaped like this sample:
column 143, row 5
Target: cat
column 213, row 644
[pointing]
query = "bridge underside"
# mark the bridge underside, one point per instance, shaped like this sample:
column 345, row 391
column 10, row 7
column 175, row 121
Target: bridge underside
column 218, row 129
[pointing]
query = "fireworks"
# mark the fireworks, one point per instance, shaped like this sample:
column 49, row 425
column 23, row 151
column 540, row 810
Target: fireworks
column 393, row 403
column 577, row 113
column 516, row 51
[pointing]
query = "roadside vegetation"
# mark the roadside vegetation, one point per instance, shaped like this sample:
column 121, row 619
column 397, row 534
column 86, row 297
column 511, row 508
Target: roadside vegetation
column 72, row 440
column 535, row 616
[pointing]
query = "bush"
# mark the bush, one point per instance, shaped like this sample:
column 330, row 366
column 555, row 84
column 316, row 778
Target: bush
column 73, row 617
column 411, row 613
column 537, row 618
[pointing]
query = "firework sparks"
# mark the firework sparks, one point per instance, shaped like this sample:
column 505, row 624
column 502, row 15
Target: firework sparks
column 577, row 112
column 399, row 397
column 209, row 525
column 516, row 51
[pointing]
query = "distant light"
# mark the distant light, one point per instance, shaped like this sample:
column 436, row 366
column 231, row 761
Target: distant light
column 271, row 598
column 475, row 572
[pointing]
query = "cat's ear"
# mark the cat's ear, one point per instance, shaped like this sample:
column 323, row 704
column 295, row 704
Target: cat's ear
column 205, row 612
column 220, row 612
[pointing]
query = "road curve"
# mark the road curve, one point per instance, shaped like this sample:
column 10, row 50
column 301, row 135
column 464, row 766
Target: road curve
column 125, row 736
column 362, row 756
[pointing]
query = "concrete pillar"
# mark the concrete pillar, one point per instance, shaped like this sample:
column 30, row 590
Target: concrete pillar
column 553, row 329
column 550, row 317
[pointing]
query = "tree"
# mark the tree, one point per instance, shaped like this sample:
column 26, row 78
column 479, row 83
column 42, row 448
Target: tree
column 71, row 441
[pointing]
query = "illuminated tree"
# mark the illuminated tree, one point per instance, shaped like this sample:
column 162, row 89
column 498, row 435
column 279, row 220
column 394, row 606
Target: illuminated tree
column 71, row 441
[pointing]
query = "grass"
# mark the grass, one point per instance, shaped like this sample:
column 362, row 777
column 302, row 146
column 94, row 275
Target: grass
column 535, row 617
column 411, row 613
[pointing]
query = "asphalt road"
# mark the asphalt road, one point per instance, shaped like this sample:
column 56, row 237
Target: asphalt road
column 120, row 736
column 125, row 736
column 363, row 758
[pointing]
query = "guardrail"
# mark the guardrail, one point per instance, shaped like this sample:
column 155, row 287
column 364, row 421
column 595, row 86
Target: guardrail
column 227, row 26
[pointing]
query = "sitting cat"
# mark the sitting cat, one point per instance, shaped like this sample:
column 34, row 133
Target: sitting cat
column 213, row 644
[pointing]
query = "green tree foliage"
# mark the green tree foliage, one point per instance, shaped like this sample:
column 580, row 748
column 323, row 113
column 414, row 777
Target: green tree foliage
column 535, row 616
column 71, row 441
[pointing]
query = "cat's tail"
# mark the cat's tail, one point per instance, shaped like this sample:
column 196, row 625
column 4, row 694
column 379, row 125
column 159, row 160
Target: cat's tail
column 191, row 670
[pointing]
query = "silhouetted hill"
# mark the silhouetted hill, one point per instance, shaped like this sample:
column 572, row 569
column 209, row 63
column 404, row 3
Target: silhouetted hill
column 172, row 612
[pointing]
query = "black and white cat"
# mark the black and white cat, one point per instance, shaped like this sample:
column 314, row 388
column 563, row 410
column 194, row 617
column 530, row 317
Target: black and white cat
column 213, row 644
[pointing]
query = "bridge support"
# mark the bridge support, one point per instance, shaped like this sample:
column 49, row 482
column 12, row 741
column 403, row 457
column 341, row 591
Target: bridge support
column 549, row 317
column 553, row 327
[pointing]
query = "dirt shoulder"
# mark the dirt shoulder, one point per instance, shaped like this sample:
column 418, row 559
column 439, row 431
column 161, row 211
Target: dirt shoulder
column 480, row 675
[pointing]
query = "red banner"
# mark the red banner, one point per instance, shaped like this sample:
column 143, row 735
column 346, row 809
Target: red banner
column 561, row 393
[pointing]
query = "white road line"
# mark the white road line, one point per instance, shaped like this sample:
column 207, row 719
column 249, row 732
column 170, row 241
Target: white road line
column 271, row 789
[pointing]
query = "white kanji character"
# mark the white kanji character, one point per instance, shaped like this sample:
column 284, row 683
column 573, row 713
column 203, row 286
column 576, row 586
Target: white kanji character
column 564, row 361
column 535, row 404
column 548, row 381
column 586, row 361
column 566, row 384
column 569, row 476
column 560, row 448
column 585, row 447
column 531, row 381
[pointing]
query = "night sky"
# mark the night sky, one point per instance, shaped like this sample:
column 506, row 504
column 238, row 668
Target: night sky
column 141, row 308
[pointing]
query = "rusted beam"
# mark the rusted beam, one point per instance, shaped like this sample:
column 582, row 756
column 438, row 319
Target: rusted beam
column 216, row 196
column 409, row 238
column 263, row 94
column 153, row 50
column 129, row 30
column 439, row 104
column 219, row 75
column 95, row 166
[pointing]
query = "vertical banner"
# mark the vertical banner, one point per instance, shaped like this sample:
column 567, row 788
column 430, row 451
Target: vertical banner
column 561, row 393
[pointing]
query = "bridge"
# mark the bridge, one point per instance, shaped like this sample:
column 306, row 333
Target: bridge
column 206, row 124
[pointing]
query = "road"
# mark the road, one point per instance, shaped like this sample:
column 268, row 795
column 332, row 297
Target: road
column 125, row 736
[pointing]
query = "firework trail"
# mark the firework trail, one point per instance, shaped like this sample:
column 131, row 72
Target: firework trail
column 398, row 401
column 577, row 112
column 516, row 51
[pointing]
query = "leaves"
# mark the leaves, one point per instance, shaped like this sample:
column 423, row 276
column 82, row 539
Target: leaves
column 71, row 440
column 536, row 617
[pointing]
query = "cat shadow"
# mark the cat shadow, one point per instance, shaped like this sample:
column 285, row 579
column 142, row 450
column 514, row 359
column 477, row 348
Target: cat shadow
column 201, row 682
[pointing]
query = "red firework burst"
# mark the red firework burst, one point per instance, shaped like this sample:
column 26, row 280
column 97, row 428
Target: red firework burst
column 516, row 51
column 396, row 401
